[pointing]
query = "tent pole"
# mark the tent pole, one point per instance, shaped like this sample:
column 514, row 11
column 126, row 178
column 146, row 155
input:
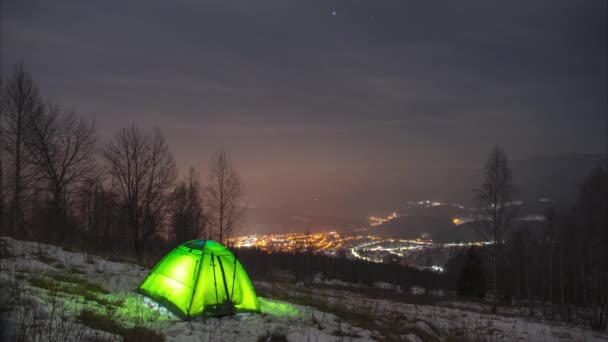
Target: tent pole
column 214, row 279
column 236, row 253
column 198, row 274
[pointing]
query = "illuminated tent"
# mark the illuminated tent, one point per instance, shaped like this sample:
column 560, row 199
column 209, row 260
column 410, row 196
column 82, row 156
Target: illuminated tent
column 201, row 277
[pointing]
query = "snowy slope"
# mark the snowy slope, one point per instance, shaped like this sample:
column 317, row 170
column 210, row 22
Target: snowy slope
column 46, row 291
column 26, row 308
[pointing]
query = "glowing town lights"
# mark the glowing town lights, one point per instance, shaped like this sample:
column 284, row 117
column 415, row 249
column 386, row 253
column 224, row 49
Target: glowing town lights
column 376, row 221
column 456, row 221
column 429, row 203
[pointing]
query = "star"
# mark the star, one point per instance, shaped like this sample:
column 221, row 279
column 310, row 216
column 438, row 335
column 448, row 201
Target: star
column 333, row 12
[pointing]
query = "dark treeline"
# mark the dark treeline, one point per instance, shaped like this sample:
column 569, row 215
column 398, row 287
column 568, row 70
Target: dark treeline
column 566, row 263
column 563, row 263
column 60, row 184
column 303, row 267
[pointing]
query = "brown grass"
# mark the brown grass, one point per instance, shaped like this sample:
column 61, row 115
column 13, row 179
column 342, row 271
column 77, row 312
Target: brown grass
column 105, row 323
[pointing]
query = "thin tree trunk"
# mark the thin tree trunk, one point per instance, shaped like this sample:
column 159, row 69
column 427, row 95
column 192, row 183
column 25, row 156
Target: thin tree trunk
column 551, row 280
column 528, row 292
column 495, row 279
column 17, row 181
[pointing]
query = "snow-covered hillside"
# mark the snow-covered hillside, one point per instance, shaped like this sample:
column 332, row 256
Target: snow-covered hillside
column 49, row 294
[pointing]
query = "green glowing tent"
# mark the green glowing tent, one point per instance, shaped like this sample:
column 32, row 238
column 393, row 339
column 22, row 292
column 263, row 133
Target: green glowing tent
column 201, row 277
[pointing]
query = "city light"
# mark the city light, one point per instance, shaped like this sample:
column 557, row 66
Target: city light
column 376, row 220
column 370, row 248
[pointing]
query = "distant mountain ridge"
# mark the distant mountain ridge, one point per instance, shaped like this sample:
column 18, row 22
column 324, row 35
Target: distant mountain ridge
column 542, row 181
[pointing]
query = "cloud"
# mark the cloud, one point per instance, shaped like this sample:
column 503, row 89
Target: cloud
column 390, row 82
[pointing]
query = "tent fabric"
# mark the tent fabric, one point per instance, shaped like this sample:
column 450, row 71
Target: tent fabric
column 201, row 277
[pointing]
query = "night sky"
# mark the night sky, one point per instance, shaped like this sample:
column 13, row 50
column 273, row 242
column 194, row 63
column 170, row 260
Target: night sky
column 337, row 101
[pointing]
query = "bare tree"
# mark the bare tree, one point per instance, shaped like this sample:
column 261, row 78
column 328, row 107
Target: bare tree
column 494, row 206
column 188, row 220
column 61, row 147
column 223, row 194
column 20, row 102
column 143, row 171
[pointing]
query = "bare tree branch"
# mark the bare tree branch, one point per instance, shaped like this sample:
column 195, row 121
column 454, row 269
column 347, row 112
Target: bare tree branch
column 144, row 172
column 61, row 147
column 188, row 220
column 223, row 195
column 20, row 102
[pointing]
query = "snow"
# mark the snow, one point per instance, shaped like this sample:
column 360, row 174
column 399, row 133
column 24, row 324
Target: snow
column 416, row 290
column 41, row 314
column 23, row 259
column 456, row 322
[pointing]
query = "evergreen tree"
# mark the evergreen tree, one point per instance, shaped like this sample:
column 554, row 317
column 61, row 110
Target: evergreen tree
column 472, row 280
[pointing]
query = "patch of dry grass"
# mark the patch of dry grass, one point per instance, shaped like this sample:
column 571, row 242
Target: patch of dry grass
column 105, row 323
